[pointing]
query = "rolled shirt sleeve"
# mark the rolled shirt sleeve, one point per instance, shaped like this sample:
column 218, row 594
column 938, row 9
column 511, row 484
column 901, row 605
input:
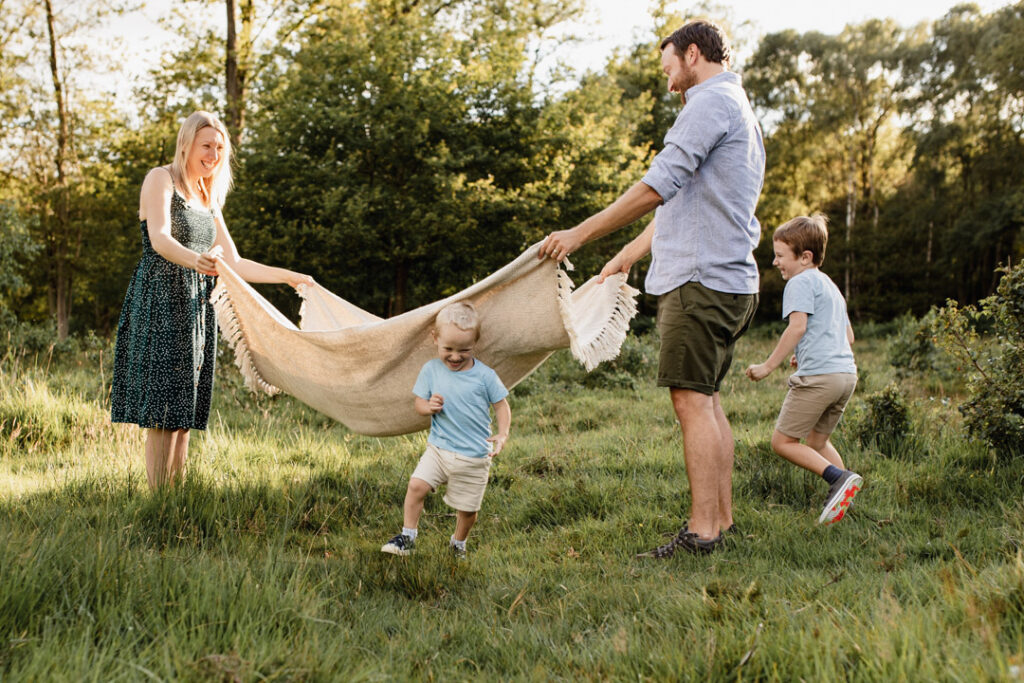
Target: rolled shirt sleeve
column 700, row 127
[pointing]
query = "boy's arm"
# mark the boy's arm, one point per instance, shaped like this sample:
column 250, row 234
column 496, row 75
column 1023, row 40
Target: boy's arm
column 849, row 333
column 787, row 342
column 503, row 415
column 428, row 407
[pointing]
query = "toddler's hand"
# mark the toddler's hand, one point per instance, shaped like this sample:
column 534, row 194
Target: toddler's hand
column 497, row 443
column 436, row 403
column 757, row 372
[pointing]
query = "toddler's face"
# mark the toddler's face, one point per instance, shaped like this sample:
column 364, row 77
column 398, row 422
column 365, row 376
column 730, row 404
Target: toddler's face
column 455, row 347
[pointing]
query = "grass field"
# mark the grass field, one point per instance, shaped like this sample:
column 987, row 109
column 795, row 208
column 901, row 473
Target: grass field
column 264, row 564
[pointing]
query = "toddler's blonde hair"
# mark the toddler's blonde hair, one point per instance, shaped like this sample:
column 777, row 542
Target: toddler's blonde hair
column 462, row 314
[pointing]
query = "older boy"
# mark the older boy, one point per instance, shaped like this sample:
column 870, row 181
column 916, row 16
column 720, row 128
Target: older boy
column 820, row 332
column 457, row 391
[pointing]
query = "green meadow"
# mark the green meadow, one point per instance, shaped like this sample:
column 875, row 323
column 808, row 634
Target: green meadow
column 265, row 565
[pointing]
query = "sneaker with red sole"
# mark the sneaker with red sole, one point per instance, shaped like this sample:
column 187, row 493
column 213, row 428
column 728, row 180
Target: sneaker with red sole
column 840, row 496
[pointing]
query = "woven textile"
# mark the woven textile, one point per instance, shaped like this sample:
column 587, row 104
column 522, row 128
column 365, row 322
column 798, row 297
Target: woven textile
column 359, row 369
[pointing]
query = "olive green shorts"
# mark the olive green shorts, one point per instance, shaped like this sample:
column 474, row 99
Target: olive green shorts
column 699, row 328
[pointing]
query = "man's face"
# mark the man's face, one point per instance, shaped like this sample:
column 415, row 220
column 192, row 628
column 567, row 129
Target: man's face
column 681, row 76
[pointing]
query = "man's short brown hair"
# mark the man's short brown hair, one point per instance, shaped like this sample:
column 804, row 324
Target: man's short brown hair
column 709, row 38
column 805, row 233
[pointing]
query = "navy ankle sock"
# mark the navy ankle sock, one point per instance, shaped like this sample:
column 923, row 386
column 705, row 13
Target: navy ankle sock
column 832, row 474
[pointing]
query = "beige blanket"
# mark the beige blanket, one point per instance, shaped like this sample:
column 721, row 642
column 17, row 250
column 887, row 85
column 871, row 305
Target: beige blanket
column 359, row 369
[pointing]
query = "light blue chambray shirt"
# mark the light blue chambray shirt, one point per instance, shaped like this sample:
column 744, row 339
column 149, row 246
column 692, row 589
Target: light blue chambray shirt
column 709, row 176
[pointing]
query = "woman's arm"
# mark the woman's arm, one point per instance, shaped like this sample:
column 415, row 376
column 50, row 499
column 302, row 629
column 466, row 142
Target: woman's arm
column 155, row 209
column 251, row 271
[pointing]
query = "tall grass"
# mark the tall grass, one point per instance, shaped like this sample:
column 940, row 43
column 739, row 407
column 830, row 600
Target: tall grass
column 264, row 563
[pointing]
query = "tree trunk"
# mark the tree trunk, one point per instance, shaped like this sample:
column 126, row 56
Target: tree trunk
column 58, row 249
column 851, row 216
column 236, row 67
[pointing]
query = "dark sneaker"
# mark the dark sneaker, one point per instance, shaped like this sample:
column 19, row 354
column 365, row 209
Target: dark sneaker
column 685, row 541
column 399, row 545
column 458, row 553
column 840, row 496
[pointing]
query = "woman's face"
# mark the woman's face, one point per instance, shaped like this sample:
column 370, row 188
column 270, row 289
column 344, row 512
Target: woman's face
column 207, row 153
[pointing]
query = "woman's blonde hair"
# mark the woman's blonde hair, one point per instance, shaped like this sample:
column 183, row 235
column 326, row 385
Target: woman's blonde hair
column 216, row 190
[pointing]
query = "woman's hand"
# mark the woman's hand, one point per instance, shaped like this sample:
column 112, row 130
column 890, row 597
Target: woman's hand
column 206, row 264
column 295, row 279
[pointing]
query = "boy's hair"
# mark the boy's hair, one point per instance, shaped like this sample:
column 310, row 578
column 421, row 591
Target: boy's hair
column 805, row 233
column 708, row 37
column 462, row 314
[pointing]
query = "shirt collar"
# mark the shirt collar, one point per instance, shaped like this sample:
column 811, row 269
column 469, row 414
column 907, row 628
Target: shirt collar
column 724, row 77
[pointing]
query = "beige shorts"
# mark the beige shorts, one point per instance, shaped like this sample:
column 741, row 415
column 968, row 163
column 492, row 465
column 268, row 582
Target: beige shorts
column 466, row 477
column 815, row 402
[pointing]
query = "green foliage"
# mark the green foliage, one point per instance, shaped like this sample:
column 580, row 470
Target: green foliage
column 912, row 350
column 635, row 366
column 16, row 249
column 994, row 363
column 885, row 424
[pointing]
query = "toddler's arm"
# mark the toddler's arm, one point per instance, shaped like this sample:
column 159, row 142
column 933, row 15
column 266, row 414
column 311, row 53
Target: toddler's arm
column 849, row 333
column 503, row 414
column 428, row 407
column 787, row 342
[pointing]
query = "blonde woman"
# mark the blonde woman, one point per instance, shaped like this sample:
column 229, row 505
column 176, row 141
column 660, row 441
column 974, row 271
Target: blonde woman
column 167, row 333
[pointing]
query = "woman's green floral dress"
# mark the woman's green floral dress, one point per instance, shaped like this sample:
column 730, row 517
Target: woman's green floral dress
column 167, row 335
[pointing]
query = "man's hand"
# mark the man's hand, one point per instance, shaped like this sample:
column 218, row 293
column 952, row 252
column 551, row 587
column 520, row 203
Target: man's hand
column 558, row 245
column 618, row 264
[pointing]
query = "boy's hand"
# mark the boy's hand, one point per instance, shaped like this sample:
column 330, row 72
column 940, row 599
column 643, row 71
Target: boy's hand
column 792, row 361
column 758, row 372
column 435, row 404
column 497, row 443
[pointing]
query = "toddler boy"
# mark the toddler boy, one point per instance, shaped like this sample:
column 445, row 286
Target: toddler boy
column 457, row 391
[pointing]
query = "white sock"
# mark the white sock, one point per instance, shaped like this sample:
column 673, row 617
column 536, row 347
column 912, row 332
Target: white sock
column 461, row 545
column 411, row 533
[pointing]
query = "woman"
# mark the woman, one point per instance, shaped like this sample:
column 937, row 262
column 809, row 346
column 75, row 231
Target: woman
column 167, row 334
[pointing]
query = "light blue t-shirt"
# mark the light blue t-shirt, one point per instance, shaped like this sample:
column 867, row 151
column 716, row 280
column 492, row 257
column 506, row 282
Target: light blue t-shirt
column 709, row 176
column 824, row 347
column 464, row 424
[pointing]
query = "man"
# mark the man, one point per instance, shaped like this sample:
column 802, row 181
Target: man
column 705, row 184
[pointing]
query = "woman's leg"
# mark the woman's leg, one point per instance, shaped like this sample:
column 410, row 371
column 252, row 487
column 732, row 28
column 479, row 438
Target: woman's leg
column 166, row 452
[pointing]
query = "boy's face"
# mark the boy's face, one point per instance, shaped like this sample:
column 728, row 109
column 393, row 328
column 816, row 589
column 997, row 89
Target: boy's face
column 455, row 346
column 788, row 263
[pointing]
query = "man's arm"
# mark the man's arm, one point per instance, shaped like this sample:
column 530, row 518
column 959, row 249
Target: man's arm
column 634, row 203
column 629, row 254
column 787, row 342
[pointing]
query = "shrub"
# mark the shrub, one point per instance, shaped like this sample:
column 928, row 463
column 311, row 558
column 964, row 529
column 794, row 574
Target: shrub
column 912, row 349
column 988, row 342
column 885, row 423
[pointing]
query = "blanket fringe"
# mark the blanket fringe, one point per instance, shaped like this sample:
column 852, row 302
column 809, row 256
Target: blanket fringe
column 606, row 344
column 231, row 329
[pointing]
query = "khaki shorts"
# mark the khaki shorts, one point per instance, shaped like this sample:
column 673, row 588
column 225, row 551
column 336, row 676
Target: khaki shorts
column 699, row 328
column 466, row 477
column 815, row 402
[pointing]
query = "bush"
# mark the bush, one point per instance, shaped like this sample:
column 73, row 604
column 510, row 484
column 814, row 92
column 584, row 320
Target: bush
column 636, row 363
column 988, row 342
column 912, row 349
column 885, row 423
